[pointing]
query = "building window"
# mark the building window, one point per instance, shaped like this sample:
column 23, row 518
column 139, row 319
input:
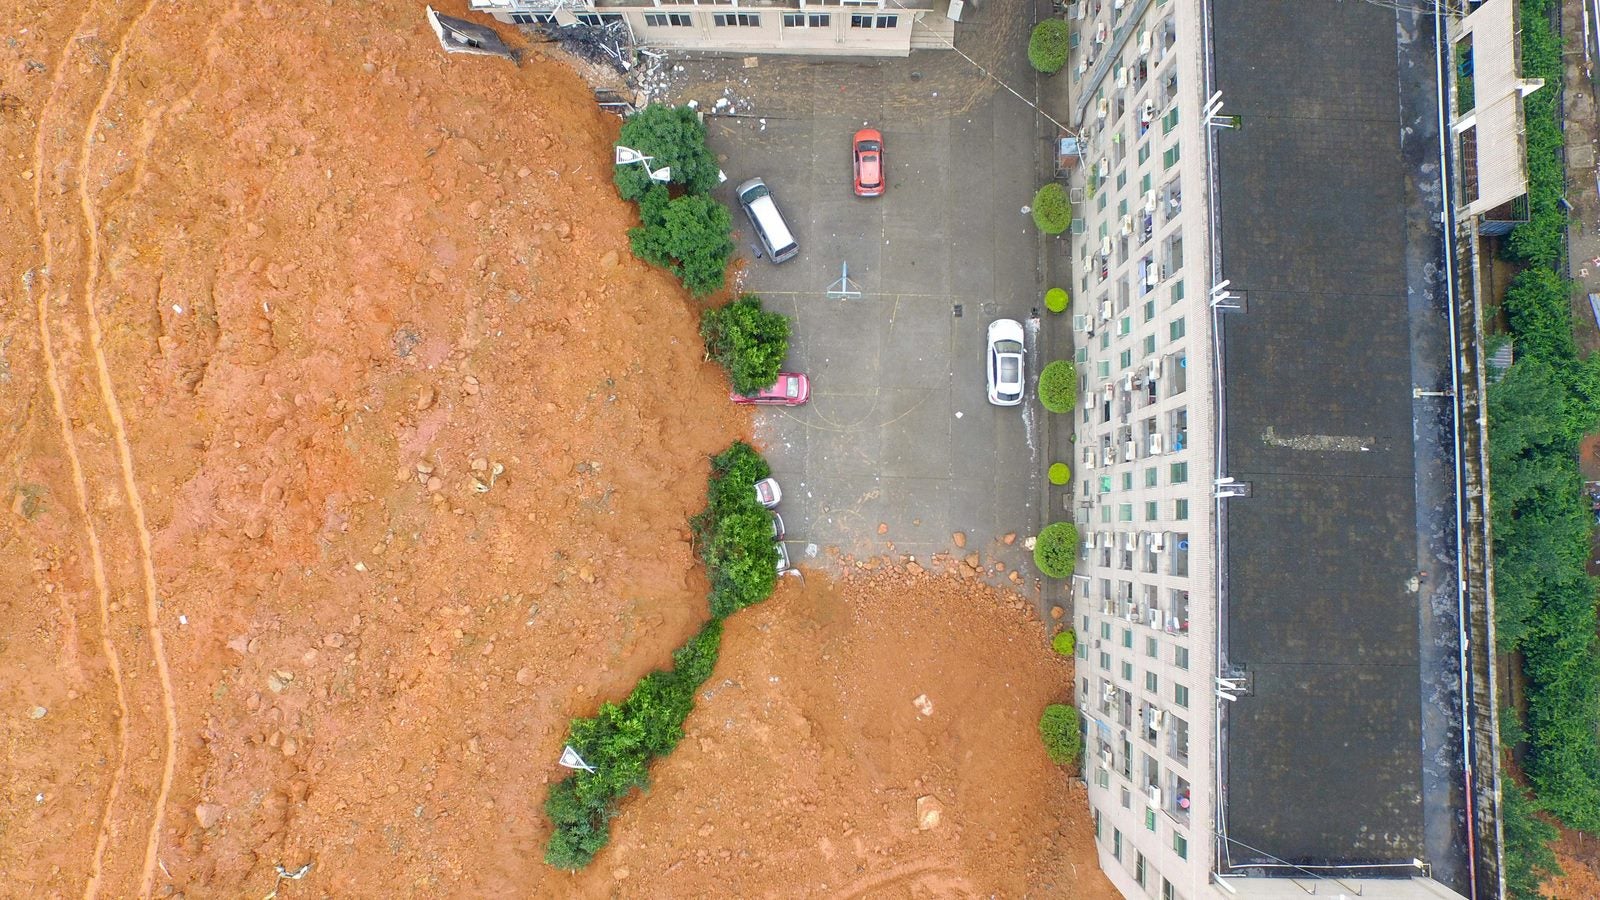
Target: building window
column 1127, row 355
column 862, row 20
column 1180, row 510
column 1150, row 820
column 1149, row 344
column 1127, row 671
column 1081, row 355
column 1144, row 153
column 1097, row 824
column 1177, row 290
column 1180, row 473
column 1169, row 158
column 1122, row 182
column 1105, row 631
column 1169, row 121
column 1138, row 867
column 806, row 20
column 1150, row 646
column 1150, row 309
column 1125, row 512
column 1180, row 845
column 1177, row 329
column 1150, row 683
column 1150, row 513
column 741, row 20
column 1127, row 638
column 1116, row 843
column 1150, row 476
column 1144, row 185
column 1167, row 893
column 1127, row 481
column 533, row 19
column 667, row 20
column 1100, row 202
column 1105, row 661
column 1103, row 367
column 1180, row 657
column 1180, row 695
column 599, row 18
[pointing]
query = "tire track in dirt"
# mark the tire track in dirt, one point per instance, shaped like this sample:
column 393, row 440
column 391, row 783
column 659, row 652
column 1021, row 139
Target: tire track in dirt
column 79, row 483
column 119, row 433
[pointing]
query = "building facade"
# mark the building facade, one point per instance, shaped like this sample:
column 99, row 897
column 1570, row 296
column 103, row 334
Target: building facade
column 802, row 27
column 1145, row 590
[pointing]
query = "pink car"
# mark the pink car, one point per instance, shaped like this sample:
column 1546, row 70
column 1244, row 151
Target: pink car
column 791, row 389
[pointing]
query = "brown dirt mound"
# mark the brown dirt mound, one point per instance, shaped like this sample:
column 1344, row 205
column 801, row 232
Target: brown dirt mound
column 349, row 456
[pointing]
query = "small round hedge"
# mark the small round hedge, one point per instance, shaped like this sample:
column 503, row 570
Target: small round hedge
column 1058, row 728
column 1055, row 300
column 1065, row 642
column 1058, row 386
column 1056, row 550
column 1052, row 211
column 1047, row 46
column 1059, row 474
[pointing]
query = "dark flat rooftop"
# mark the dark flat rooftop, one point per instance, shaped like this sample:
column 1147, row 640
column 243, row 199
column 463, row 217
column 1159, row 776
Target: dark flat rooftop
column 1324, row 756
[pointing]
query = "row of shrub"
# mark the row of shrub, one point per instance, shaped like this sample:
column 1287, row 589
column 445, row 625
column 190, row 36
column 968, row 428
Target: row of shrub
column 682, row 229
column 621, row 740
column 1538, row 411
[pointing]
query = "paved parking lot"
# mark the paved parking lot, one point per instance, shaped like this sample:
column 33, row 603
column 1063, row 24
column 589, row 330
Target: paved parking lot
column 898, row 431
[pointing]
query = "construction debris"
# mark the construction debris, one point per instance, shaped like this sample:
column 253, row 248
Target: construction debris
column 460, row 36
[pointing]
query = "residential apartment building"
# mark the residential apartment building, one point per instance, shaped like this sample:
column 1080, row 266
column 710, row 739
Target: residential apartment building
column 1144, row 592
column 802, row 27
column 1218, row 757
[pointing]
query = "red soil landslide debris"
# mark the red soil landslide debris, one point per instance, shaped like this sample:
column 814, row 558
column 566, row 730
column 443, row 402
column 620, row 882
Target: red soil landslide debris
column 350, row 454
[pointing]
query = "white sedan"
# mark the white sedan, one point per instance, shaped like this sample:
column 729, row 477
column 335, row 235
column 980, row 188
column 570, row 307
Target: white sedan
column 1005, row 362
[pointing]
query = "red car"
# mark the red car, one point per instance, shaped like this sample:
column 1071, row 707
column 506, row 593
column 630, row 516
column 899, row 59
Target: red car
column 791, row 389
column 868, row 152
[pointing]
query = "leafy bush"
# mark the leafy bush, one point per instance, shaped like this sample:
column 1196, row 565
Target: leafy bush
column 1527, row 839
column 1065, row 642
column 1047, row 46
column 749, row 342
column 734, row 532
column 1058, row 728
column 1056, row 550
column 1060, row 473
column 1055, row 300
column 1058, row 386
column 1052, row 211
column 1539, row 240
column 620, row 742
column 674, row 136
column 692, row 236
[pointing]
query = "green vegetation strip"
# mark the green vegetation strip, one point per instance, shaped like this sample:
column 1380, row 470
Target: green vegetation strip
column 1538, row 411
column 621, row 740
column 747, row 341
column 681, row 228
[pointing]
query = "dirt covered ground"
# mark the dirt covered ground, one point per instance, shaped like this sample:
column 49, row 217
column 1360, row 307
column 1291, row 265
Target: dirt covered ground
column 348, row 454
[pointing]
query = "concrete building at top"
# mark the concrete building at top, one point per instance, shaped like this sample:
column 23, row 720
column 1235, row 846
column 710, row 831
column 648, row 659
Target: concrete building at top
column 1269, row 655
column 801, row 27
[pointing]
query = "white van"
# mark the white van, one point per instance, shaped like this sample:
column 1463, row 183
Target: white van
column 756, row 199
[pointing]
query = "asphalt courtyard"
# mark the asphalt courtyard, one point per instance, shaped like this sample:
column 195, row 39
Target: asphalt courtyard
column 898, row 449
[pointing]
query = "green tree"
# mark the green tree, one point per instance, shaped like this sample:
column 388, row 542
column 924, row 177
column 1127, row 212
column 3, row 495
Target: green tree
column 692, row 236
column 749, row 342
column 1055, row 299
column 1059, row 473
column 1055, row 551
column 1047, row 46
column 1052, row 211
column 674, row 137
column 1529, row 859
column 1065, row 642
column 1058, row 728
column 1058, row 386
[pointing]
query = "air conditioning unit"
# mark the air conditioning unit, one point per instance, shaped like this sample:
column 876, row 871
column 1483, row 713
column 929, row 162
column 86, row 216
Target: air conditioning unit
column 1144, row 42
column 1158, row 541
column 1105, row 755
column 1091, row 539
column 1101, row 32
column 1083, row 67
column 1080, row 322
column 1130, row 541
column 1122, row 76
column 1153, row 794
column 1150, row 202
column 1155, row 367
column 1105, row 310
column 1110, row 458
column 1127, row 380
column 1088, row 457
column 1105, row 164
column 1105, row 250
column 1158, row 718
column 1102, row 109
column 1152, row 276
column 1156, row 448
column 1155, row 618
column 1109, row 390
column 1127, row 224
column 1147, row 112
column 1128, row 451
